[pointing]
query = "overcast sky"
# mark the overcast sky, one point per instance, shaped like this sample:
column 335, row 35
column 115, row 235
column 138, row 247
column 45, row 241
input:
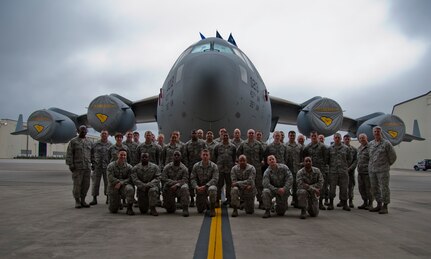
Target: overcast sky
column 367, row 55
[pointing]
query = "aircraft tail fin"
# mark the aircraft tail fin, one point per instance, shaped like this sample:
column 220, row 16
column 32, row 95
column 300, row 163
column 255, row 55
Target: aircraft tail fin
column 202, row 36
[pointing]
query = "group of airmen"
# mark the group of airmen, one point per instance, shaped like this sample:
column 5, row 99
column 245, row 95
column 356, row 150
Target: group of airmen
column 195, row 173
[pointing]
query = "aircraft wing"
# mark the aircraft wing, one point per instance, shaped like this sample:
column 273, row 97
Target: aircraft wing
column 146, row 109
column 410, row 138
column 349, row 124
column 283, row 111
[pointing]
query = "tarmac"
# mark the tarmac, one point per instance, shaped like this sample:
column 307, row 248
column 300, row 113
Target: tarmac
column 38, row 220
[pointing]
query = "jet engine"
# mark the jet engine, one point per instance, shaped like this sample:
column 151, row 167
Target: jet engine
column 49, row 126
column 393, row 128
column 323, row 115
column 109, row 112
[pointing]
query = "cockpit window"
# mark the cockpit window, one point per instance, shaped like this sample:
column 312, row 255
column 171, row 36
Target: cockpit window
column 201, row 48
column 221, row 48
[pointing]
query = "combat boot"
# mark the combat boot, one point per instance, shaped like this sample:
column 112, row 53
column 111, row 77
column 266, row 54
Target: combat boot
column 339, row 204
column 77, row 203
column 130, row 209
column 321, row 207
column 345, row 206
column 185, row 211
column 153, row 211
column 377, row 208
column 94, row 201
column 303, row 213
column 369, row 205
column 212, row 210
column 364, row 205
column 331, row 204
column 326, row 202
column 267, row 214
column 83, row 203
column 384, row 209
column 235, row 212
column 351, row 203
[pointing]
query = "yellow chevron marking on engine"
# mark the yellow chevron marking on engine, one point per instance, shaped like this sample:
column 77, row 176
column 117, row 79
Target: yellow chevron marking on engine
column 102, row 117
column 38, row 128
column 215, row 244
column 393, row 133
column 326, row 120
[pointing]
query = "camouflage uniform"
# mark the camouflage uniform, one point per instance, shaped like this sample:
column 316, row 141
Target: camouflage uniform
column 244, row 178
column 236, row 142
column 167, row 154
column 363, row 176
column 224, row 157
column 100, row 161
column 133, row 152
column 119, row 174
column 307, row 197
column 113, row 152
column 170, row 175
column 382, row 156
column 147, row 180
column 278, row 150
column 191, row 154
column 281, row 177
column 79, row 158
column 352, row 167
column 210, row 147
column 339, row 161
column 254, row 152
column 319, row 155
column 293, row 161
column 208, row 176
column 153, row 151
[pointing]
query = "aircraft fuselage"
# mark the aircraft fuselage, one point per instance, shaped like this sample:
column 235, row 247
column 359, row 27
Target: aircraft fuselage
column 213, row 85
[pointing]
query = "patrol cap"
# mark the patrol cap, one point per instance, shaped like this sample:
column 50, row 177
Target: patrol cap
column 118, row 134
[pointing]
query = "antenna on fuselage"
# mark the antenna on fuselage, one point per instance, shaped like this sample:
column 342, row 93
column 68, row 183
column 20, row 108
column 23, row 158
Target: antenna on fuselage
column 232, row 40
column 218, row 35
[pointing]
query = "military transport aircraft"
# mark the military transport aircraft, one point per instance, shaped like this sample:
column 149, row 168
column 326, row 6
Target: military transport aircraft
column 213, row 84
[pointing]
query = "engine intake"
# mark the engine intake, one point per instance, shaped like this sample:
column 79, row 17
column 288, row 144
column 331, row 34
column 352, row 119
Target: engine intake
column 393, row 128
column 323, row 115
column 50, row 127
column 108, row 112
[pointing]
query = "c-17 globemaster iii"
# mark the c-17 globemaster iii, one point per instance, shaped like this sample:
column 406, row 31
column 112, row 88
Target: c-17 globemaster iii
column 212, row 85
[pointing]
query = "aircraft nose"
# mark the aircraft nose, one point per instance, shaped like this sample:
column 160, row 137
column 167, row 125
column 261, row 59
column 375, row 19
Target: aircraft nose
column 210, row 87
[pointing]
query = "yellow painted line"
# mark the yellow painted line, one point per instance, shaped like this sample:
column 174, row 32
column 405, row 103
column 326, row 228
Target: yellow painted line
column 215, row 245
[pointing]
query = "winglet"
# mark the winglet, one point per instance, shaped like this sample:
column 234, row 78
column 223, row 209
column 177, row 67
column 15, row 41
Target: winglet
column 416, row 131
column 20, row 130
column 20, row 123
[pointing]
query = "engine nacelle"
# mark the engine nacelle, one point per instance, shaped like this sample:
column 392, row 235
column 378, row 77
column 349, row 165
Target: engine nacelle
column 393, row 128
column 323, row 115
column 50, row 127
column 108, row 112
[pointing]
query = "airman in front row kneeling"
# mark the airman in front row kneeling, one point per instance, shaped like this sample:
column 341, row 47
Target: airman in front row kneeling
column 309, row 181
